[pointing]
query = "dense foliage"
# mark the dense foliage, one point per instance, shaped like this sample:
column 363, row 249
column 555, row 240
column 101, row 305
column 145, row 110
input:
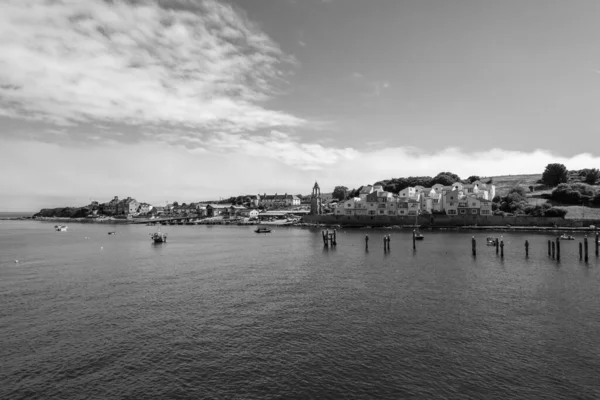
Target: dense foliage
column 576, row 194
column 340, row 193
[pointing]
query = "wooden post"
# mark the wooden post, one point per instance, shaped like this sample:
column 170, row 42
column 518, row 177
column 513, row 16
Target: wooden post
column 367, row 242
column 557, row 248
column 414, row 240
column 580, row 251
column 474, row 246
column 497, row 245
column 384, row 243
column 334, row 237
column 502, row 248
column 325, row 241
column 597, row 243
column 585, row 248
column 389, row 239
column 526, row 248
column 549, row 246
column 553, row 249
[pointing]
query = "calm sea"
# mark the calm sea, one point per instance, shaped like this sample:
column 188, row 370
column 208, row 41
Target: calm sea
column 224, row 313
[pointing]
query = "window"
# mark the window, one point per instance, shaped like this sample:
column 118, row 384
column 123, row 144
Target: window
column 474, row 211
column 463, row 211
column 402, row 212
column 391, row 212
column 381, row 211
column 474, row 204
column 348, row 212
column 371, row 212
column 452, row 212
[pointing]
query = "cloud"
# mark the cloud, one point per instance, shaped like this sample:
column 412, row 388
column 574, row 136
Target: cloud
column 357, row 75
column 276, row 162
column 302, row 43
column 198, row 64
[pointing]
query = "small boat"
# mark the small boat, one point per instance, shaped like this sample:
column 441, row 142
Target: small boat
column 490, row 241
column 566, row 237
column 158, row 237
column 61, row 228
column 262, row 230
column 112, row 233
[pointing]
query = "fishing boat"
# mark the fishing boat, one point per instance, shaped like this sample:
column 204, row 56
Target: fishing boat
column 112, row 233
column 158, row 237
column 61, row 228
column 566, row 237
column 262, row 230
column 490, row 241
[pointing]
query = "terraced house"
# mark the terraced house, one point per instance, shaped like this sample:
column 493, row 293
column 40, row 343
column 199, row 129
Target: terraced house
column 458, row 199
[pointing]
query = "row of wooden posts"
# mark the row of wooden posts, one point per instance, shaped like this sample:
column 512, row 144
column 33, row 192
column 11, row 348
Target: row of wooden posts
column 330, row 240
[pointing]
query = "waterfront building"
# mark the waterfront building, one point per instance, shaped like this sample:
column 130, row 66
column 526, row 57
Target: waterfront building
column 214, row 210
column 276, row 201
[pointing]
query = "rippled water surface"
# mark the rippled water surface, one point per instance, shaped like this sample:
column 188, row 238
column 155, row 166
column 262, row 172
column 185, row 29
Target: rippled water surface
column 222, row 312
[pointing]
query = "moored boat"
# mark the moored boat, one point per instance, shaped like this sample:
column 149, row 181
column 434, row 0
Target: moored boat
column 158, row 237
column 262, row 230
column 490, row 241
column 111, row 233
column 566, row 237
column 61, row 228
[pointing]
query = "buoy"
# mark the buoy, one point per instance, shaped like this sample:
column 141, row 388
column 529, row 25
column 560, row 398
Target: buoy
column 101, row 248
column 16, row 261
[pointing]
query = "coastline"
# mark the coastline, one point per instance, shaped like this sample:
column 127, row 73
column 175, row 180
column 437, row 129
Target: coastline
column 313, row 225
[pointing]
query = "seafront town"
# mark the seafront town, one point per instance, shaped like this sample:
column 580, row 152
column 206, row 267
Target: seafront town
column 458, row 199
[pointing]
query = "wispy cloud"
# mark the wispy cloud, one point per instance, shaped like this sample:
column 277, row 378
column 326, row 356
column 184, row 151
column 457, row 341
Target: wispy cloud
column 199, row 64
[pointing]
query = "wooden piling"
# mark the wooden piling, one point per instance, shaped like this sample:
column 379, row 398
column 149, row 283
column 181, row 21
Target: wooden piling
column 549, row 246
column 367, row 242
column 497, row 246
column 474, row 246
column 553, row 249
column 334, row 237
column 585, row 248
column 325, row 241
column 597, row 243
column 384, row 243
column 557, row 248
column 526, row 248
column 389, row 239
column 414, row 240
column 580, row 251
column 502, row 248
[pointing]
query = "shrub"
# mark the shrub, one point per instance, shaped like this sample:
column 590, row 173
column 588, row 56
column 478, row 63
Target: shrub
column 592, row 176
column 555, row 212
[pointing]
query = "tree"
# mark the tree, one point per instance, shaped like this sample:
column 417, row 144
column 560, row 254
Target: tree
column 340, row 193
column 175, row 204
column 592, row 176
column 473, row 178
column 555, row 174
column 445, row 178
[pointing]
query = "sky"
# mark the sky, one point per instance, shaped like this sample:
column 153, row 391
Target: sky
column 190, row 100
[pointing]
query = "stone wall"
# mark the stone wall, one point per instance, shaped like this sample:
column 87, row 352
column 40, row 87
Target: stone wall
column 446, row 220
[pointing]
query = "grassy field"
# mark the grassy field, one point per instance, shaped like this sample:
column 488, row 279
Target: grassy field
column 506, row 182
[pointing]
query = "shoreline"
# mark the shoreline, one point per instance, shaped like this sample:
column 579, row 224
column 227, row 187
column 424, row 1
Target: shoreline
column 498, row 228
